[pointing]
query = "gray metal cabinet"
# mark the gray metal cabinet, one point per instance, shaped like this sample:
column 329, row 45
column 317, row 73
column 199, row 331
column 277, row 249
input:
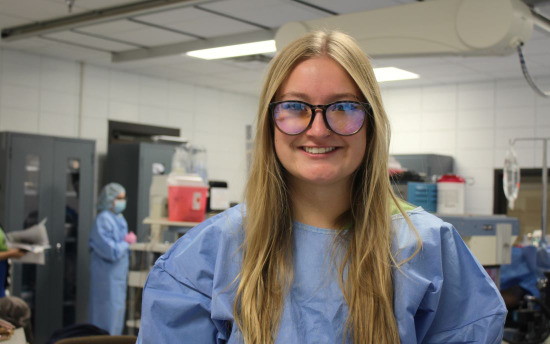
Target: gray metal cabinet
column 131, row 165
column 44, row 176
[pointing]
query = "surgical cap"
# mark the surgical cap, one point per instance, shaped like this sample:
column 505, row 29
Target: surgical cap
column 108, row 195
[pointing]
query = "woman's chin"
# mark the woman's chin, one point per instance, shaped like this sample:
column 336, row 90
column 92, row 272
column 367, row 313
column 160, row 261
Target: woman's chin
column 321, row 179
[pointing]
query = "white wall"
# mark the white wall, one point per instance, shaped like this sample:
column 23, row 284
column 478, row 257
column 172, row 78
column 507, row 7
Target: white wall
column 41, row 95
column 472, row 122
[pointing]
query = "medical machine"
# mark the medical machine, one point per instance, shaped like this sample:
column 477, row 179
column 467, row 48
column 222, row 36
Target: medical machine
column 489, row 238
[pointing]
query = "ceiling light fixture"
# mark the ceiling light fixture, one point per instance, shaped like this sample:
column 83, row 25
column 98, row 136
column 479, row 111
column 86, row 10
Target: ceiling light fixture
column 393, row 74
column 253, row 48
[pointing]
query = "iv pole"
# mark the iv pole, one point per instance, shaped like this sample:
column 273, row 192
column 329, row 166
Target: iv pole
column 544, row 177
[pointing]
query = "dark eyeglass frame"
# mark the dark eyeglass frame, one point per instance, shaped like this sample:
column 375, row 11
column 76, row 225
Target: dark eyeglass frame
column 313, row 108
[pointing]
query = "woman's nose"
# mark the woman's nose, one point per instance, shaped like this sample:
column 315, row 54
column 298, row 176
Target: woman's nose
column 318, row 127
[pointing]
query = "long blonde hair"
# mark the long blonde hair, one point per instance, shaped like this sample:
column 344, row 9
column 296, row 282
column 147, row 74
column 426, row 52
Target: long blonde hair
column 267, row 262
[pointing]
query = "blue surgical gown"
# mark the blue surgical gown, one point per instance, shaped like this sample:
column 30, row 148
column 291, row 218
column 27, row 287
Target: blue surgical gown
column 442, row 295
column 528, row 266
column 108, row 272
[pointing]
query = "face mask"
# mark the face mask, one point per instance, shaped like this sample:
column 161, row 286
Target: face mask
column 120, row 205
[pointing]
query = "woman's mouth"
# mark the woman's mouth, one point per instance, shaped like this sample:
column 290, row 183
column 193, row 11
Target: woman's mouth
column 318, row 150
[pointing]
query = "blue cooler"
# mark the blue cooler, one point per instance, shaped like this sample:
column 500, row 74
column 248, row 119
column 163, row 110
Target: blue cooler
column 423, row 195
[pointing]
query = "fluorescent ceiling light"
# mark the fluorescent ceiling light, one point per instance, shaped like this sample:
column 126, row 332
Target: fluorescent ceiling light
column 393, row 74
column 235, row 50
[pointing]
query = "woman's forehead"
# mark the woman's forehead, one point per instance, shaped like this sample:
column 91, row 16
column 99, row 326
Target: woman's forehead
column 318, row 78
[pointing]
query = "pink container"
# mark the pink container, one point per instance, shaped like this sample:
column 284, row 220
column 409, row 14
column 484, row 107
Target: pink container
column 186, row 198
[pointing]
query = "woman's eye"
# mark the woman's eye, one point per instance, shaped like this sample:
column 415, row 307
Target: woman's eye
column 294, row 106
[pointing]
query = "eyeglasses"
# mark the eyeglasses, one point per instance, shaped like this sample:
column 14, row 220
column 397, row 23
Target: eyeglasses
column 344, row 117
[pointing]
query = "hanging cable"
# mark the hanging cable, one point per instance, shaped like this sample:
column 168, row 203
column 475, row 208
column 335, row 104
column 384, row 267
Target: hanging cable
column 528, row 77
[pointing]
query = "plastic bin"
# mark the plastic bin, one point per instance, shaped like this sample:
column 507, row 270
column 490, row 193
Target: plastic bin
column 186, row 198
column 423, row 195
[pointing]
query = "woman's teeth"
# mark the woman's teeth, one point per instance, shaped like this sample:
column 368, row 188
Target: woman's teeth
column 318, row 150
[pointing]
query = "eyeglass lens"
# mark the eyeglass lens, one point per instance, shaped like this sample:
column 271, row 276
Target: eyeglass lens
column 344, row 118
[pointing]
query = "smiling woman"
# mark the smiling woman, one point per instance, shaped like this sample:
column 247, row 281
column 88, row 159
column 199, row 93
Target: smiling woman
column 322, row 251
column 316, row 155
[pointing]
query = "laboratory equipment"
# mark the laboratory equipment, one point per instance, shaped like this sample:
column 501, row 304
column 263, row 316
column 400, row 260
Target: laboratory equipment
column 186, row 197
column 181, row 159
column 53, row 177
column 419, row 168
column 410, row 30
column 218, row 196
column 187, row 184
column 158, row 197
column 511, row 177
column 530, row 323
column 450, row 194
column 489, row 237
column 426, row 164
column 423, row 195
column 544, row 178
column 199, row 162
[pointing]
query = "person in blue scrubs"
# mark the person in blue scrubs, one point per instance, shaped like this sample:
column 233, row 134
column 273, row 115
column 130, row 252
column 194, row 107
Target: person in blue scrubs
column 321, row 251
column 109, row 244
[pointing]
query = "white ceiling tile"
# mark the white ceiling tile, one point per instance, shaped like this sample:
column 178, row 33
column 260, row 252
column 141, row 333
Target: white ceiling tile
column 269, row 13
column 539, row 33
column 537, row 46
column 170, row 17
column 348, row 6
column 66, row 51
column 143, row 35
column 152, row 37
column 197, row 22
column 94, row 4
column 24, row 44
column 112, row 27
column 33, row 9
column 93, row 42
column 10, row 20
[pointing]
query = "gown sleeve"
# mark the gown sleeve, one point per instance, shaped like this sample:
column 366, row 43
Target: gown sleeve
column 447, row 294
column 181, row 298
column 105, row 239
column 174, row 312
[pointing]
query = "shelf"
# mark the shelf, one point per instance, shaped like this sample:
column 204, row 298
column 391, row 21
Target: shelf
column 165, row 222
column 150, row 247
